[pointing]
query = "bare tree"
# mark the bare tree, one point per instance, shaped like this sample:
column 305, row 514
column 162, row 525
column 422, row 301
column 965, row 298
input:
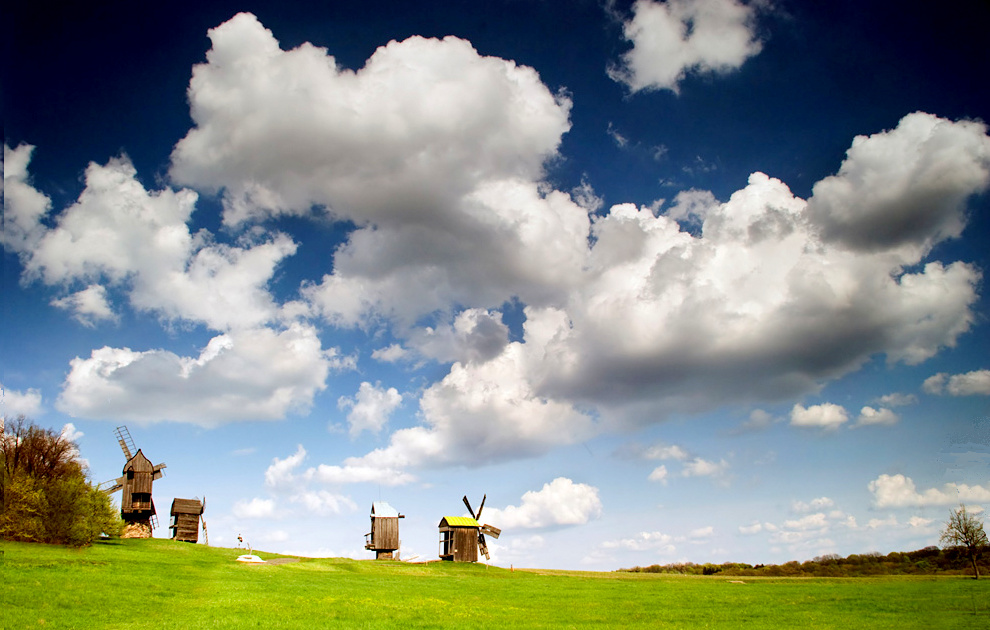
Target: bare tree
column 965, row 530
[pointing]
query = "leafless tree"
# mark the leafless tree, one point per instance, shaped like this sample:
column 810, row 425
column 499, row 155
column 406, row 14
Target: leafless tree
column 965, row 530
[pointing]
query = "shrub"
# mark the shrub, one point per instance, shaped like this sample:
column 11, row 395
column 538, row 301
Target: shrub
column 46, row 496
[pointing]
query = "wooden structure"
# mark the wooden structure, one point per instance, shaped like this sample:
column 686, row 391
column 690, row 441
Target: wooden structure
column 461, row 537
column 383, row 538
column 185, row 515
column 136, row 504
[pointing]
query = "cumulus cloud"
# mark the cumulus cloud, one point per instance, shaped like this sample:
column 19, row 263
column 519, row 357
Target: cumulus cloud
column 904, row 188
column 898, row 399
column 370, row 408
column 643, row 541
column 893, row 491
column 659, row 474
column 975, row 383
column 820, row 503
column 249, row 374
column 671, row 39
column 560, row 503
column 665, row 451
column 870, row 416
column 699, row 467
column 126, row 236
column 15, row 403
column 255, row 508
column 825, row 416
column 89, row 306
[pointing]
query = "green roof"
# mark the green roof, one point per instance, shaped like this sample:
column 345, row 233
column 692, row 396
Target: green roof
column 460, row 521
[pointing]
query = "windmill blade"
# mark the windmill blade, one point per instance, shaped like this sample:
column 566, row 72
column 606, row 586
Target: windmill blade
column 157, row 473
column 494, row 532
column 109, row 487
column 483, row 546
column 470, row 509
column 125, row 441
column 477, row 516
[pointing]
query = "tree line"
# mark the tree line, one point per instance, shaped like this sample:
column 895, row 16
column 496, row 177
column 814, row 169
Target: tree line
column 964, row 544
column 45, row 492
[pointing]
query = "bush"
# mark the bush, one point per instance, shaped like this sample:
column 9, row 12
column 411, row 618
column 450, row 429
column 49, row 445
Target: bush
column 46, row 496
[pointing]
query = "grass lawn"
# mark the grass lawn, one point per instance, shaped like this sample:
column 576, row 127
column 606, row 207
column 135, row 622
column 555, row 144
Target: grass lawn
column 162, row 584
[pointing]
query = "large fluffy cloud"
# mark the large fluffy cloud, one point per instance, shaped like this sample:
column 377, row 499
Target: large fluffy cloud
column 255, row 374
column 904, row 187
column 123, row 235
column 15, row 403
column 893, row 491
column 424, row 120
column 671, row 39
column 559, row 503
column 434, row 151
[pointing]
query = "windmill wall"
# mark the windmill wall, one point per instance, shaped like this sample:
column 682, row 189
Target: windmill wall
column 458, row 543
column 185, row 519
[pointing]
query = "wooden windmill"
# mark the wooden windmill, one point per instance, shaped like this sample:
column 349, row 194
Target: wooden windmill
column 461, row 538
column 384, row 535
column 136, row 506
column 186, row 515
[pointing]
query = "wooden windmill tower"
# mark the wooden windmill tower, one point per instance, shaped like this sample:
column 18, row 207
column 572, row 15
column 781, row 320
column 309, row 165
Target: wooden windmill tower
column 384, row 535
column 185, row 515
column 136, row 506
column 461, row 537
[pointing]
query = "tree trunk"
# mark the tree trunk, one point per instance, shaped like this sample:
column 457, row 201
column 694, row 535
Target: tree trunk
column 976, row 570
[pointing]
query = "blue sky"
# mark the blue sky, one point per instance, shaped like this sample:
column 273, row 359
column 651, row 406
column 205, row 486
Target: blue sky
column 686, row 281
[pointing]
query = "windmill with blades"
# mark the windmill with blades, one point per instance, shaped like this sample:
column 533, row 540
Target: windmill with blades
column 136, row 506
column 461, row 538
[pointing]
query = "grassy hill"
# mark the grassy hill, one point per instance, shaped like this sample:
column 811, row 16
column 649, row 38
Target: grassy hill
column 162, row 584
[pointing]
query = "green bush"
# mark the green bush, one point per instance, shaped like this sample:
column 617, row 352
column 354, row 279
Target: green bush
column 46, row 496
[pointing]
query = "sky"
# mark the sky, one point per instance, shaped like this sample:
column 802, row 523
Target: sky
column 700, row 280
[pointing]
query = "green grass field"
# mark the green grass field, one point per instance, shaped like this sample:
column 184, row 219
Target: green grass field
column 161, row 584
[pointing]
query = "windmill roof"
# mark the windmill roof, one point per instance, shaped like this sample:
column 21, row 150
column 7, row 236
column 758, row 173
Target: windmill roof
column 380, row 508
column 460, row 521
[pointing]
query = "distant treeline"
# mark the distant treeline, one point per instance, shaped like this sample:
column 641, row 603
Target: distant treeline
column 927, row 561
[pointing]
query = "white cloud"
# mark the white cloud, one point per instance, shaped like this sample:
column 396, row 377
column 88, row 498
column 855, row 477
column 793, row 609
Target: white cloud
column 390, row 354
column 89, row 306
column 702, row 533
column 559, row 503
column 255, row 508
column 659, row 474
column 972, row 383
column 242, row 375
column 23, row 205
column 666, row 451
column 817, row 521
column 671, row 39
column 882, row 416
column 71, row 433
column 820, row 503
column 825, row 416
column 126, row 236
column 420, row 112
column 699, row 467
column 476, row 335
column 643, row 541
column 898, row 399
column 975, row 383
column 935, row 384
column 14, row 403
column 323, row 502
column 281, row 472
column 353, row 471
column 893, row 491
column 370, row 408
column 905, row 188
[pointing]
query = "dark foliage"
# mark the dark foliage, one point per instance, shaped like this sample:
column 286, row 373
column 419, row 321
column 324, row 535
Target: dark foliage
column 45, row 494
column 927, row 561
